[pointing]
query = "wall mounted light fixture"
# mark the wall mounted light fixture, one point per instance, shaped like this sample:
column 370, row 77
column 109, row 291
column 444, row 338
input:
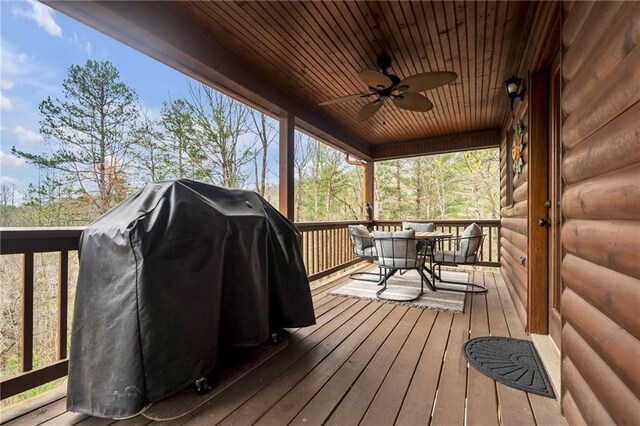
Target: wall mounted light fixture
column 514, row 88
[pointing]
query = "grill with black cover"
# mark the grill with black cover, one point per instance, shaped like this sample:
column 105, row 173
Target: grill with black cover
column 168, row 278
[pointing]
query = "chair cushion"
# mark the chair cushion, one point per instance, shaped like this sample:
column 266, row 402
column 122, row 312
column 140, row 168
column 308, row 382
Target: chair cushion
column 470, row 244
column 419, row 227
column 360, row 237
column 396, row 249
column 448, row 256
column 368, row 253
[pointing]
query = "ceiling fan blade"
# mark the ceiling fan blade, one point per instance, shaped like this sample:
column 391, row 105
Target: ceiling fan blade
column 344, row 99
column 369, row 109
column 413, row 102
column 427, row 81
column 375, row 79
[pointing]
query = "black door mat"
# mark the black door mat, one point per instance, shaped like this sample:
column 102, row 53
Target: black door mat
column 513, row 362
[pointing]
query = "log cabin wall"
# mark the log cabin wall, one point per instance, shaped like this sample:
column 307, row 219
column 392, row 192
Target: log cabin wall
column 601, row 204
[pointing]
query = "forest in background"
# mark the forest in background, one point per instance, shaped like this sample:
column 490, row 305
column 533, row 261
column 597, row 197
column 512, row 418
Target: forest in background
column 100, row 146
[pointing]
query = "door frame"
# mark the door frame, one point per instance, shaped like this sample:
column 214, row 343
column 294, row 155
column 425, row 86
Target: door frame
column 543, row 55
column 555, row 196
column 538, row 188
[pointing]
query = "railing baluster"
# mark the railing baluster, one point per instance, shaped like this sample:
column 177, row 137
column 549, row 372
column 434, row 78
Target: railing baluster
column 27, row 313
column 63, row 296
column 316, row 247
column 336, row 253
column 323, row 254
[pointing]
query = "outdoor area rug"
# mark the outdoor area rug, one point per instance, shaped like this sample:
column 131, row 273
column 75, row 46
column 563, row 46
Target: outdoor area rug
column 513, row 362
column 233, row 365
column 402, row 285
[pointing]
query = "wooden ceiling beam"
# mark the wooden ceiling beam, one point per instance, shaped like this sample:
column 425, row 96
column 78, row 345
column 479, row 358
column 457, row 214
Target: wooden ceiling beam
column 156, row 30
column 438, row 145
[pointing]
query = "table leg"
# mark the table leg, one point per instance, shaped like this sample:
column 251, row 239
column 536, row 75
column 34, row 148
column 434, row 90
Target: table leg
column 426, row 278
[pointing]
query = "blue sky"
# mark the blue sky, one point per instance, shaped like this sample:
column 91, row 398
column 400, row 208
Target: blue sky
column 38, row 46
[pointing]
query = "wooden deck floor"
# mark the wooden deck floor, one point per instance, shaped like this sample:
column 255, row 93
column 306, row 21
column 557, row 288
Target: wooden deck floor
column 368, row 363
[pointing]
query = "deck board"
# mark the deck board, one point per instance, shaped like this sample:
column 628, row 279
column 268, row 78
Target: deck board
column 296, row 396
column 482, row 403
column 366, row 362
column 419, row 399
column 356, row 402
column 387, row 403
column 323, row 403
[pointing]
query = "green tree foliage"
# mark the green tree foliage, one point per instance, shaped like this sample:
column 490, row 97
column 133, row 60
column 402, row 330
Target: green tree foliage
column 153, row 163
column 89, row 133
column 104, row 146
column 178, row 126
column 326, row 187
column 460, row 185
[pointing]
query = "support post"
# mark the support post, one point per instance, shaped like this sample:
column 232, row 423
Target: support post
column 286, row 166
column 369, row 182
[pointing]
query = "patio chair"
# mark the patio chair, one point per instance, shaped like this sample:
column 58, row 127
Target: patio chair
column 419, row 226
column 400, row 251
column 363, row 247
column 465, row 252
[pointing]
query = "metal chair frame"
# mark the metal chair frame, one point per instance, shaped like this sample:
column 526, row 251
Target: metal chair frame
column 362, row 276
column 400, row 247
column 475, row 288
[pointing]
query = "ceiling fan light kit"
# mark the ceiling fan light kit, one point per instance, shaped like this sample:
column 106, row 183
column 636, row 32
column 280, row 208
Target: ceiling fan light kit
column 403, row 92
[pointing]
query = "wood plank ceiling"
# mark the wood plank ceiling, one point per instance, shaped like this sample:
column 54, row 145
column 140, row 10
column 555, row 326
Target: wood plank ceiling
column 314, row 51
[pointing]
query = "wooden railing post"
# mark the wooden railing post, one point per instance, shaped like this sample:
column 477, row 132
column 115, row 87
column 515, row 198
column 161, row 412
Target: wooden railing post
column 286, row 166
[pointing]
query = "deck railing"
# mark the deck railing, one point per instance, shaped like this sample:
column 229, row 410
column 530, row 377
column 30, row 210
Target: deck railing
column 326, row 249
column 28, row 242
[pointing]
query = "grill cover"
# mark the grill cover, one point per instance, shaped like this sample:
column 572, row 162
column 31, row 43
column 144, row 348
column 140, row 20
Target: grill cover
column 169, row 277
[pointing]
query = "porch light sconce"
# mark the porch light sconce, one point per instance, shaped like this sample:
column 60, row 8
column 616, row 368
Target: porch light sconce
column 514, row 88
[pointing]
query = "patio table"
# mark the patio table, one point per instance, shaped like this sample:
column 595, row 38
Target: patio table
column 431, row 237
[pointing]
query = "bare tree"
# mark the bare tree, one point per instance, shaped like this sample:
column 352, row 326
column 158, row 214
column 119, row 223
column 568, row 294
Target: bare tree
column 219, row 122
column 151, row 154
column 265, row 131
column 302, row 157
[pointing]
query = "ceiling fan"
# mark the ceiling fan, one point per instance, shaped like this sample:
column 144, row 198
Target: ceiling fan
column 404, row 93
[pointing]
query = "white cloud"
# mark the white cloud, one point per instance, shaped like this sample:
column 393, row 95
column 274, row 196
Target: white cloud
column 7, row 180
column 11, row 160
column 26, row 136
column 20, row 69
column 13, row 63
column 41, row 15
column 5, row 103
column 81, row 43
column 7, row 84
